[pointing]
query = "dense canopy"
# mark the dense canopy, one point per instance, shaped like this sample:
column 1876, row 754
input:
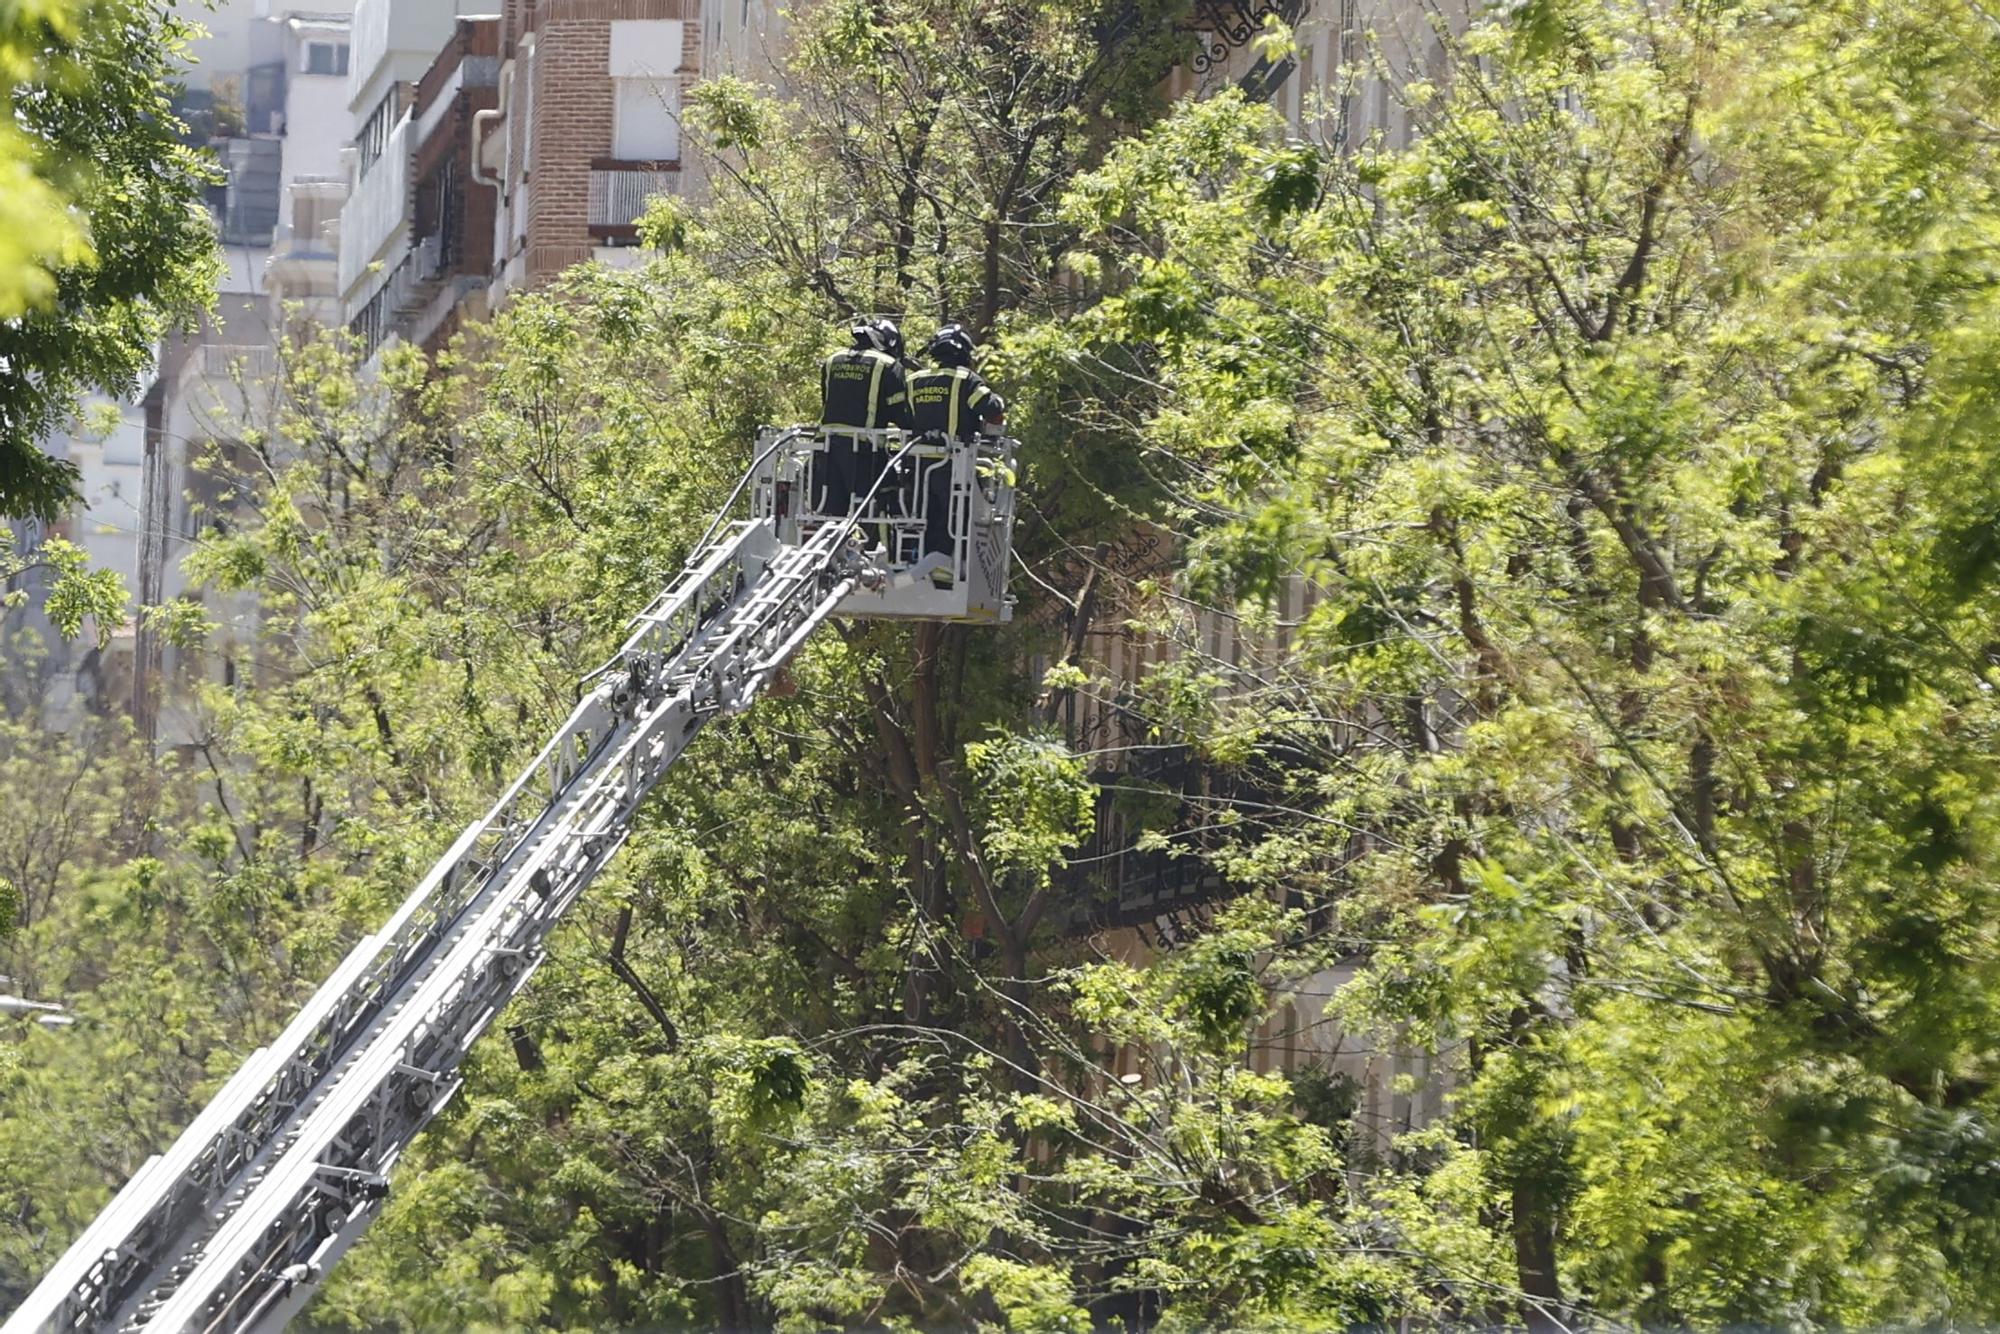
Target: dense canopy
column 1602, row 486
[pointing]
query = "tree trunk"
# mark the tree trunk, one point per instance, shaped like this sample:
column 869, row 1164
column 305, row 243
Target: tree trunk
column 1535, row 1258
column 732, row 1299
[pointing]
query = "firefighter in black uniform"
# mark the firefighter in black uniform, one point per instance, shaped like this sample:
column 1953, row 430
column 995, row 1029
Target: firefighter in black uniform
column 953, row 402
column 861, row 387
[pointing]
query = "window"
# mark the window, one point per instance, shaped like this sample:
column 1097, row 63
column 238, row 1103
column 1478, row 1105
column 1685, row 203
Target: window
column 371, row 326
column 374, row 136
column 323, row 58
column 647, row 127
column 645, row 63
column 450, row 217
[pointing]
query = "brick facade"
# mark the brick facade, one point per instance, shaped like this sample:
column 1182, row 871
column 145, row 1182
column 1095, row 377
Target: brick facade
column 570, row 111
column 444, row 159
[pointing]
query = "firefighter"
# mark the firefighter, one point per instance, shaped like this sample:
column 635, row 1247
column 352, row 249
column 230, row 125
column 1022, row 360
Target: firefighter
column 953, row 402
column 861, row 387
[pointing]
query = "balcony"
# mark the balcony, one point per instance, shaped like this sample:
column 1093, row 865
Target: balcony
column 405, row 304
column 1224, row 26
column 223, row 363
column 393, row 41
column 377, row 210
column 1117, row 878
column 311, row 206
column 618, row 193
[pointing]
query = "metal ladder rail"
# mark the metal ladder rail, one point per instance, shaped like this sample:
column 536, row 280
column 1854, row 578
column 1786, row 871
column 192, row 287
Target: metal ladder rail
column 179, row 1196
column 377, row 1104
column 262, row 1266
column 134, row 1256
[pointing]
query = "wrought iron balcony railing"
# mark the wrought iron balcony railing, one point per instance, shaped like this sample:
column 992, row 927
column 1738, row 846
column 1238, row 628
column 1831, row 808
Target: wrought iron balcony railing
column 1227, row 26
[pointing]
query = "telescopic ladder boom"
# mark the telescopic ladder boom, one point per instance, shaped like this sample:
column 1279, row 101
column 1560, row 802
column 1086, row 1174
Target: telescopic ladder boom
column 235, row 1225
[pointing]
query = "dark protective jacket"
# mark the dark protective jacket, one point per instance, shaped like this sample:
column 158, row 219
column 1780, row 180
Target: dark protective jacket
column 863, row 388
column 952, row 400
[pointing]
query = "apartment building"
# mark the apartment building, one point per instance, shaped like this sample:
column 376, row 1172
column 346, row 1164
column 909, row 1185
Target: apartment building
column 398, row 167
column 451, row 212
column 299, row 275
column 492, row 152
column 588, row 128
column 256, row 93
column 386, row 275
column 513, row 146
column 265, row 79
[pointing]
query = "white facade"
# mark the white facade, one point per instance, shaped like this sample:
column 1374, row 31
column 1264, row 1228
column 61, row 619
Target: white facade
column 316, row 89
column 373, row 224
column 268, row 89
column 300, row 275
column 747, row 38
column 395, row 41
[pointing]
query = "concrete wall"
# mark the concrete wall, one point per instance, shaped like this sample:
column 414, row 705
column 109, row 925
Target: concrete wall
column 374, row 224
column 747, row 38
column 394, row 42
column 315, row 121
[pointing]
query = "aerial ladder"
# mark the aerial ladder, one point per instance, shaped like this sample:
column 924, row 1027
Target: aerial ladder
column 237, row 1223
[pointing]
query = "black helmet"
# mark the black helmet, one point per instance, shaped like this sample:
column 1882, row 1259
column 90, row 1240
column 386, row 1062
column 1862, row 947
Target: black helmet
column 880, row 334
column 950, row 346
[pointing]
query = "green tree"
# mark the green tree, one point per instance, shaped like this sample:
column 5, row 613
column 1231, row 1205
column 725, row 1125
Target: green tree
column 106, row 245
column 1634, row 749
column 1629, row 428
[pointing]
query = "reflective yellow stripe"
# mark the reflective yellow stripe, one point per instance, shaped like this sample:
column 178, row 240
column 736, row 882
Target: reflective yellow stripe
column 875, row 391
column 958, row 375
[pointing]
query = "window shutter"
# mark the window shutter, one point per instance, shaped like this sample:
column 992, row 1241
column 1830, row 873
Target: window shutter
column 647, row 125
column 645, row 48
